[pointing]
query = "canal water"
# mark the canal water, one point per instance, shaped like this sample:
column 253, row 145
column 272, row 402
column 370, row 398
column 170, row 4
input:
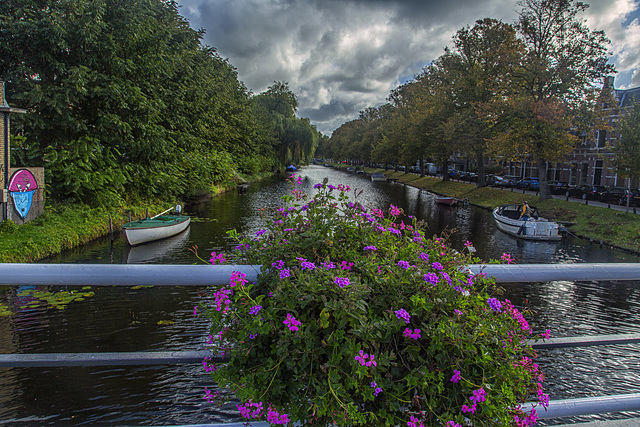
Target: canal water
column 109, row 319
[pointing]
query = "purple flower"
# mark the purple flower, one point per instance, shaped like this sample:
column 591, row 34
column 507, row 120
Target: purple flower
column 346, row 266
column 437, row 266
column 424, row 256
column 328, row 265
column 216, row 258
column 415, row 422
column 278, row 264
column 284, row 273
column 306, row 265
column 408, row 333
column 237, row 278
column 404, row 264
column 431, row 278
column 456, row 376
column 342, row 281
column 452, row 424
column 478, row 395
column 395, row 211
column 370, row 248
column 291, row 322
column 402, row 314
column 260, row 232
column 317, row 186
column 495, row 305
column 252, row 336
column 255, row 309
column 362, row 358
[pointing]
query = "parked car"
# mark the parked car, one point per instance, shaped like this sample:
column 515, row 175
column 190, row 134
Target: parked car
column 558, row 187
column 613, row 195
column 507, row 181
column 591, row 192
column 529, row 183
column 633, row 196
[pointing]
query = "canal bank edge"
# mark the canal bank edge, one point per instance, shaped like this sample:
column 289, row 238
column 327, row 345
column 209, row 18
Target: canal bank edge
column 66, row 226
column 602, row 226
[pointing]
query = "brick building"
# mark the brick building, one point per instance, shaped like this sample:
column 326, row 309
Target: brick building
column 589, row 163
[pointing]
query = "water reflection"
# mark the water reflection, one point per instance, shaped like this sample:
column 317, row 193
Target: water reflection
column 126, row 319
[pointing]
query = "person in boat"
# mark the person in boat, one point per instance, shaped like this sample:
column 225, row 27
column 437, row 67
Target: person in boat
column 526, row 211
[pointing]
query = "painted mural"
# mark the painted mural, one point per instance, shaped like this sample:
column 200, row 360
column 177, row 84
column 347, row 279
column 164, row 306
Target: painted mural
column 22, row 187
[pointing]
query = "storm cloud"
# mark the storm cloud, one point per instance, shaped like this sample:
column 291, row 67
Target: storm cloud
column 341, row 57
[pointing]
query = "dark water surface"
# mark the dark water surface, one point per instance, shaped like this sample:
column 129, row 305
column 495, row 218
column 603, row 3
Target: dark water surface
column 126, row 319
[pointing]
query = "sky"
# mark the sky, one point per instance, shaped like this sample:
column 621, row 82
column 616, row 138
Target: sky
column 342, row 56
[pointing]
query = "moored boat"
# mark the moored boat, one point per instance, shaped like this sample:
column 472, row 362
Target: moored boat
column 378, row 177
column 507, row 219
column 155, row 228
column 449, row 201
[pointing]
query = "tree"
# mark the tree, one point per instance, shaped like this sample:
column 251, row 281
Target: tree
column 123, row 99
column 563, row 65
column 482, row 67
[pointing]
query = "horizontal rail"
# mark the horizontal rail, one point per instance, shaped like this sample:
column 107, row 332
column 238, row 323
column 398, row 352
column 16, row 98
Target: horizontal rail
column 523, row 273
column 122, row 274
column 206, row 275
column 46, row 360
column 587, row 341
column 590, row 406
column 41, row 360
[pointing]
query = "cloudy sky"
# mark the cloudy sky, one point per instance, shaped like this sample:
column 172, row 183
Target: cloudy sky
column 342, row 56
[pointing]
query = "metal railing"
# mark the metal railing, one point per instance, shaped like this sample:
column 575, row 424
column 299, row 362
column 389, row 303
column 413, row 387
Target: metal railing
column 209, row 275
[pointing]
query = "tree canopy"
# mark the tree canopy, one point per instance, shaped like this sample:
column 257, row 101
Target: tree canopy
column 512, row 92
column 124, row 100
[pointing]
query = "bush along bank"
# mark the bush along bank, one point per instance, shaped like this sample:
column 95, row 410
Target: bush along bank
column 65, row 226
column 62, row 227
column 357, row 318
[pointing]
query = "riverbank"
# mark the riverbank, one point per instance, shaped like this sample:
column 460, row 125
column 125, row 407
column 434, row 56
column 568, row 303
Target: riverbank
column 603, row 226
column 66, row 226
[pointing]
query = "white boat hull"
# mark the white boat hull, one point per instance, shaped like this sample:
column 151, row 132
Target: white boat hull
column 532, row 229
column 139, row 235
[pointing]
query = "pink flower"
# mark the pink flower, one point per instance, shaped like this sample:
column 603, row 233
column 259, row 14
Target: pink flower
column 291, row 322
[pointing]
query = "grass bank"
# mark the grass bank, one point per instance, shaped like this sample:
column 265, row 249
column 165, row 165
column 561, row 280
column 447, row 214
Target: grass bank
column 65, row 226
column 611, row 227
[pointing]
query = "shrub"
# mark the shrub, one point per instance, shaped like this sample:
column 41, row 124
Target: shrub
column 360, row 319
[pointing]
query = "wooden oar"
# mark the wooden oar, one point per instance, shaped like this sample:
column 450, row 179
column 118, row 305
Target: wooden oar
column 162, row 213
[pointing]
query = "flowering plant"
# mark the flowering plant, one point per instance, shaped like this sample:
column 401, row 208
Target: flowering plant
column 358, row 318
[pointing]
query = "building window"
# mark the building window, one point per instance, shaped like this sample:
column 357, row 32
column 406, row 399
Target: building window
column 602, row 139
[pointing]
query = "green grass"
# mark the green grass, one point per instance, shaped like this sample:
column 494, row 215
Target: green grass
column 61, row 227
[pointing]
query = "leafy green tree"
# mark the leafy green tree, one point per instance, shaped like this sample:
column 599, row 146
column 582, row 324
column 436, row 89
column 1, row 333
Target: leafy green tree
column 293, row 138
column 123, row 99
column 481, row 66
column 563, row 63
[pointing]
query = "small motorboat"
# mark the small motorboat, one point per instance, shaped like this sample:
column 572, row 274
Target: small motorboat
column 508, row 219
column 378, row 177
column 449, row 201
column 157, row 227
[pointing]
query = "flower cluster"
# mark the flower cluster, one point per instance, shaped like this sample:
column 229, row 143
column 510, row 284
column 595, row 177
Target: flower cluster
column 292, row 323
column 362, row 358
column 217, row 258
column 408, row 333
column 359, row 315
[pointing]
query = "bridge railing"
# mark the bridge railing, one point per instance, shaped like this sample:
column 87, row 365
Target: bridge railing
column 209, row 275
